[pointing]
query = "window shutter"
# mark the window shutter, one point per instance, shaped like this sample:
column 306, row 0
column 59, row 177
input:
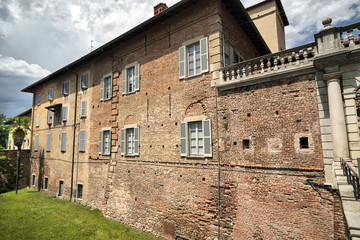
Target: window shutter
column 137, row 77
column 39, row 99
column 122, row 142
column 82, row 141
column 207, row 138
column 100, row 142
column 65, row 88
column 110, row 87
column 204, row 59
column 64, row 114
column 183, row 139
column 48, row 142
column 49, row 117
column 63, row 142
column 83, row 109
column 231, row 52
column 102, row 89
column 36, row 143
column 37, row 120
column 136, row 138
column 123, row 83
column 84, row 81
column 51, row 94
column 182, row 52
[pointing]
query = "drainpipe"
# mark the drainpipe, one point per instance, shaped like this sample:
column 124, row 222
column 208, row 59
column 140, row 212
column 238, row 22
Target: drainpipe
column 31, row 138
column 218, row 158
column 74, row 135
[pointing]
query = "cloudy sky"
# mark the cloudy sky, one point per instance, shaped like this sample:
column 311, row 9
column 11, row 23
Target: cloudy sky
column 38, row 37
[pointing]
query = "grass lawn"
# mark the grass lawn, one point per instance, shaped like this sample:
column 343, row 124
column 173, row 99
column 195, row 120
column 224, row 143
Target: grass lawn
column 32, row 215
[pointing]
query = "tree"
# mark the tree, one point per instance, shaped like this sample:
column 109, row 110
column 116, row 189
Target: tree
column 4, row 132
column 19, row 127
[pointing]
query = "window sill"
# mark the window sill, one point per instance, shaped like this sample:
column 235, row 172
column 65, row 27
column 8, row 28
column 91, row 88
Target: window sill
column 130, row 93
column 105, row 100
column 193, row 76
column 195, row 157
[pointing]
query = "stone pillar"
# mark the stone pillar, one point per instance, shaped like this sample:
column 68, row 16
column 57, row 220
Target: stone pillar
column 337, row 116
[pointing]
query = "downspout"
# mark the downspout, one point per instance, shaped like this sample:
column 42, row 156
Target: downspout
column 218, row 166
column 74, row 135
column 31, row 138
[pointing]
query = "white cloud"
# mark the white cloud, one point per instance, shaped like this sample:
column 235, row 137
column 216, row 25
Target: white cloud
column 20, row 68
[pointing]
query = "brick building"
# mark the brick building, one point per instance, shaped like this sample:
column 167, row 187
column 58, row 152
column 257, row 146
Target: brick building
column 187, row 119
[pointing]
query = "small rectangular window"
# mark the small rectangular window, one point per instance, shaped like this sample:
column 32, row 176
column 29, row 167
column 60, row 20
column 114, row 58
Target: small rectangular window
column 82, row 140
column 193, row 56
column 130, row 141
column 107, row 84
column 39, row 99
column 61, row 187
column 51, row 94
column 304, row 143
column 37, row 120
column 196, row 141
column 246, row 144
column 48, row 142
column 46, row 182
column 83, row 109
column 36, row 143
column 33, row 180
column 49, row 117
column 106, row 142
column 65, row 89
column 63, row 142
column 84, row 81
column 64, row 114
column 80, row 191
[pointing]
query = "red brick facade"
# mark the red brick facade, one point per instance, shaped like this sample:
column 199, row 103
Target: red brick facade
column 264, row 187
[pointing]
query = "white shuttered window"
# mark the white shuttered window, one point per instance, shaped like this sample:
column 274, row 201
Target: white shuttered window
column 83, row 109
column 194, row 59
column 130, row 79
column 37, row 120
column 82, row 140
column 129, row 141
column 195, row 139
column 48, row 142
column 63, row 142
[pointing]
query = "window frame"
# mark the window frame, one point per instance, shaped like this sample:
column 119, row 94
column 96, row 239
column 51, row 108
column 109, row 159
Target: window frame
column 82, row 81
column 36, row 142
column 82, row 145
column 66, row 89
column 185, row 140
column 77, row 191
column 63, row 142
column 106, row 88
column 39, row 100
column 46, row 183
column 184, row 59
column 135, row 141
column 63, row 188
column 102, row 142
column 135, row 79
column 37, row 121
column 83, row 110
column 51, row 94
column 48, row 142
column 33, row 179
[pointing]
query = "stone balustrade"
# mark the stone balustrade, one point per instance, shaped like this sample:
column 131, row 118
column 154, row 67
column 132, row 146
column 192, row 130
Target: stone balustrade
column 272, row 63
column 348, row 37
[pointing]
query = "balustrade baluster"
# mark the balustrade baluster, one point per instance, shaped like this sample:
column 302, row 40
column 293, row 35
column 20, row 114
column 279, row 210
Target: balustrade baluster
column 244, row 71
column 306, row 60
column 282, row 60
column 276, row 63
column 233, row 74
column 297, row 58
column 238, row 73
column 268, row 64
column 351, row 38
column 262, row 65
column 255, row 68
column 228, row 74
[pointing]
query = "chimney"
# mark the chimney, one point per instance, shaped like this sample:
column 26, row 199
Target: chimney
column 160, row 8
